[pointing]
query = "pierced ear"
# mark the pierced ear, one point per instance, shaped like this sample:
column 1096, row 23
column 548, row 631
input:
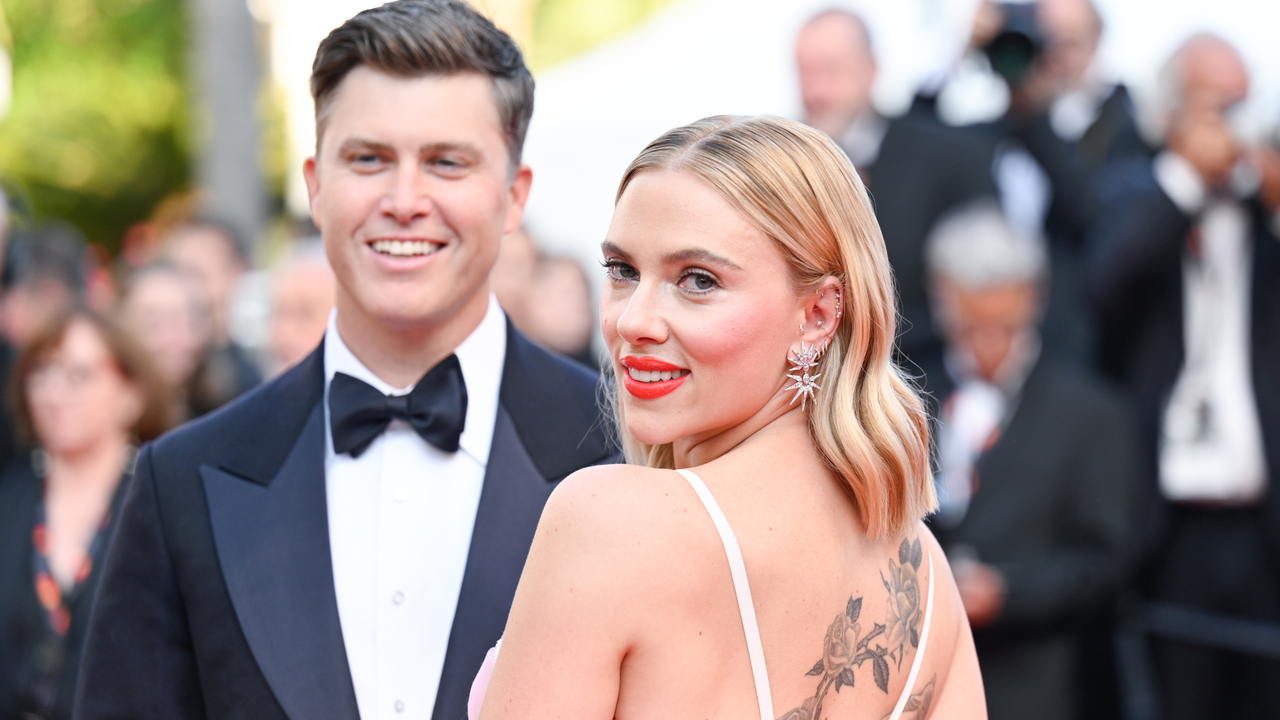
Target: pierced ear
column 822, row 313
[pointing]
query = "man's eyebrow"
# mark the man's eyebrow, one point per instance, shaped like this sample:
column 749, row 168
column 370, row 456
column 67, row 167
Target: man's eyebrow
column 354, row 144
column 440, row 147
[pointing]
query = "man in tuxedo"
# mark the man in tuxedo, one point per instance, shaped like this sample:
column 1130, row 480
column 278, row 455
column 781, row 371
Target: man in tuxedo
column 914, row 169
column 1185, row 277
column 345, row 541
column 1035, row 468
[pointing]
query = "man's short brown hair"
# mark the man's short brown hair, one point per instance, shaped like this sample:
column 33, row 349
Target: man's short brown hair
column 412, row 38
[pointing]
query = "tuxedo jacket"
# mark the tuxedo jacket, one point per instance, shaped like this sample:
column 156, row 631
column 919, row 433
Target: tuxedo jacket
column 1052, row 510
column 1135, row 259
column 217, row 600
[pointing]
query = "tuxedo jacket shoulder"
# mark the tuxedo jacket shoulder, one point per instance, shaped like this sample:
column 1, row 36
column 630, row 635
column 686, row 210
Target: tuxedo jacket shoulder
column 217, row 599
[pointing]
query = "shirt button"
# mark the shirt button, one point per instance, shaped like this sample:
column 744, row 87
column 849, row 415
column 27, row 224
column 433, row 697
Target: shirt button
column 399, row 706
column 398, row 597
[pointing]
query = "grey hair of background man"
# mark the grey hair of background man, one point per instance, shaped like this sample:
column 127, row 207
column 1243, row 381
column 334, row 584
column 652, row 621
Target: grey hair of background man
column 976, row 247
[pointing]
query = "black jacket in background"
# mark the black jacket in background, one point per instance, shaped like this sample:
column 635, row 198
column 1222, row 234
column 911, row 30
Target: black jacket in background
column 23, row 621
column 217, row 600
column 923, row 170
column 1136, row 251
column 1053, row 513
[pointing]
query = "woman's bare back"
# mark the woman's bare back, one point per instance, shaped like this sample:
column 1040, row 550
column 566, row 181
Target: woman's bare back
column 840, row 616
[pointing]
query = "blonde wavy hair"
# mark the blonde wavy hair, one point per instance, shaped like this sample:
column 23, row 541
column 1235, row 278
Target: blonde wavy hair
column 797, row 187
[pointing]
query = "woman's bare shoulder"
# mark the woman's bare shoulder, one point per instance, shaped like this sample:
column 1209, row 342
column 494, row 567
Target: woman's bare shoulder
column 632, row 513
column 603, row 496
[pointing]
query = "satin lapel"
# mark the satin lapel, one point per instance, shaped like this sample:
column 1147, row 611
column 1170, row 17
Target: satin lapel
column 273, row 545
column 510, row 506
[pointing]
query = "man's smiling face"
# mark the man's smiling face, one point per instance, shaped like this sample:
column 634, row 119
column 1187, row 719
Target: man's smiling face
column 412, row 188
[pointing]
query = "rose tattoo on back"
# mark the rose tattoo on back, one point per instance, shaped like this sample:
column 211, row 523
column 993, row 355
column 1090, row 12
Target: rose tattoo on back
column 846, row 650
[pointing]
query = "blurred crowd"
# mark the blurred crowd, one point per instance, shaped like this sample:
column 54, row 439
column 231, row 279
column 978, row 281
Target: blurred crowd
column 1089, row 295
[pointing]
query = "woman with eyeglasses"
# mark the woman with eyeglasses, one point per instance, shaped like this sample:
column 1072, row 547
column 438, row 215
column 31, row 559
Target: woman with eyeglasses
column 85, row 394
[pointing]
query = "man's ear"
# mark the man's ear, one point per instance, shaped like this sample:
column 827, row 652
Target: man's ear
column 312, row 177
column 519, row 195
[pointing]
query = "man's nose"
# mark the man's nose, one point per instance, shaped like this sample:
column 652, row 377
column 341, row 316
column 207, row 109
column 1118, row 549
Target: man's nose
column 408, row 198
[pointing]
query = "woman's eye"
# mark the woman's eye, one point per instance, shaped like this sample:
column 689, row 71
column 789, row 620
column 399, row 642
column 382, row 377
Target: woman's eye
column 698, row 282
column 620, row 271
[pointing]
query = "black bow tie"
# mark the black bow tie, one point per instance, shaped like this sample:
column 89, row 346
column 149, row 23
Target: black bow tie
column 436, row 408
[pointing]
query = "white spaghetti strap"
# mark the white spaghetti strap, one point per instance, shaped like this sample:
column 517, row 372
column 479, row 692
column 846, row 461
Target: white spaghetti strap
column 748, row 611
column 924, row 641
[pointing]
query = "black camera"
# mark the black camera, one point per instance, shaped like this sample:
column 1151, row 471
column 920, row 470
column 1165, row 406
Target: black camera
column 1014, row 50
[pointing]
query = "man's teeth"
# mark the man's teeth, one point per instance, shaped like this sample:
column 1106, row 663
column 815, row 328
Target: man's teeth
column 404, row 248
column 649, row 376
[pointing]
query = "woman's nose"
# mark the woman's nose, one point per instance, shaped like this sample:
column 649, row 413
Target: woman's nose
column 641, row 321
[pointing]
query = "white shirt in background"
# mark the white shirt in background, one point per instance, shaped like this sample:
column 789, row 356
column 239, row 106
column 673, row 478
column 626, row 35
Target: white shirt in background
column 1211, row 447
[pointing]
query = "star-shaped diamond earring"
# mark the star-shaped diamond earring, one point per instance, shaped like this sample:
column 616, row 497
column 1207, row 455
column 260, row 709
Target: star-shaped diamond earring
column 803, row 362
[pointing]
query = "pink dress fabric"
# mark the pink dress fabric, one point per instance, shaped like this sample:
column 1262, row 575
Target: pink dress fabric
column 481, row 684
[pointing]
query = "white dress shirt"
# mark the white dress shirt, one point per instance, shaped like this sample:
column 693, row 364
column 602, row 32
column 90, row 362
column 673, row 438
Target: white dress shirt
column 972, row 419
column 1211, row 445
column 400, row 522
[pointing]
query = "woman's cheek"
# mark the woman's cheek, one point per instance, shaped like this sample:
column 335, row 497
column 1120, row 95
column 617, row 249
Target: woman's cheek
column 734, row 339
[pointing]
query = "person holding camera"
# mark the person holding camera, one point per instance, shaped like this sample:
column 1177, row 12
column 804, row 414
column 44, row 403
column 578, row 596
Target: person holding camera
column 1063, row 122
column 1184, row 270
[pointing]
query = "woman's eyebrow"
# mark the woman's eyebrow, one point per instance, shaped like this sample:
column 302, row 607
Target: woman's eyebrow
column 680, row 256
column 700, row 255
column 609, row 248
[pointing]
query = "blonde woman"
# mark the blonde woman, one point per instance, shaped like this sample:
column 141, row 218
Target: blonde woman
column 762, row 554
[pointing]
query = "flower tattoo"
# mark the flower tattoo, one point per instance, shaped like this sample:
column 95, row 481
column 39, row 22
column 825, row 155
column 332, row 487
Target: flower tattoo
column 845, row 649
column 903, row 623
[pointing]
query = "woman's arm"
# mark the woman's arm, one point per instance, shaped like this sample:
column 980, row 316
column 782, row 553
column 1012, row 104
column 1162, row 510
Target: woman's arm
column 570, row 625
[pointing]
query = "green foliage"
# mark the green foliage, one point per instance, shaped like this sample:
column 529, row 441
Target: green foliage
column 565, row 28
column 98, row 131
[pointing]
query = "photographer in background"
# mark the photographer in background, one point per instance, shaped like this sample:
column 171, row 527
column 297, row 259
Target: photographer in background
column 1184, row 273
column 1062, row 123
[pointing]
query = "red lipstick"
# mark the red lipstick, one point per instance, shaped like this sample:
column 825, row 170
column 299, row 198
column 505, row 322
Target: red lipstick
column 650, row 390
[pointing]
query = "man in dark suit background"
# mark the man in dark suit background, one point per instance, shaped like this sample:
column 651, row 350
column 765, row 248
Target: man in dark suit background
column 1035, row 461
column 345, row 541
column 1185, row 277
column 915, row 169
